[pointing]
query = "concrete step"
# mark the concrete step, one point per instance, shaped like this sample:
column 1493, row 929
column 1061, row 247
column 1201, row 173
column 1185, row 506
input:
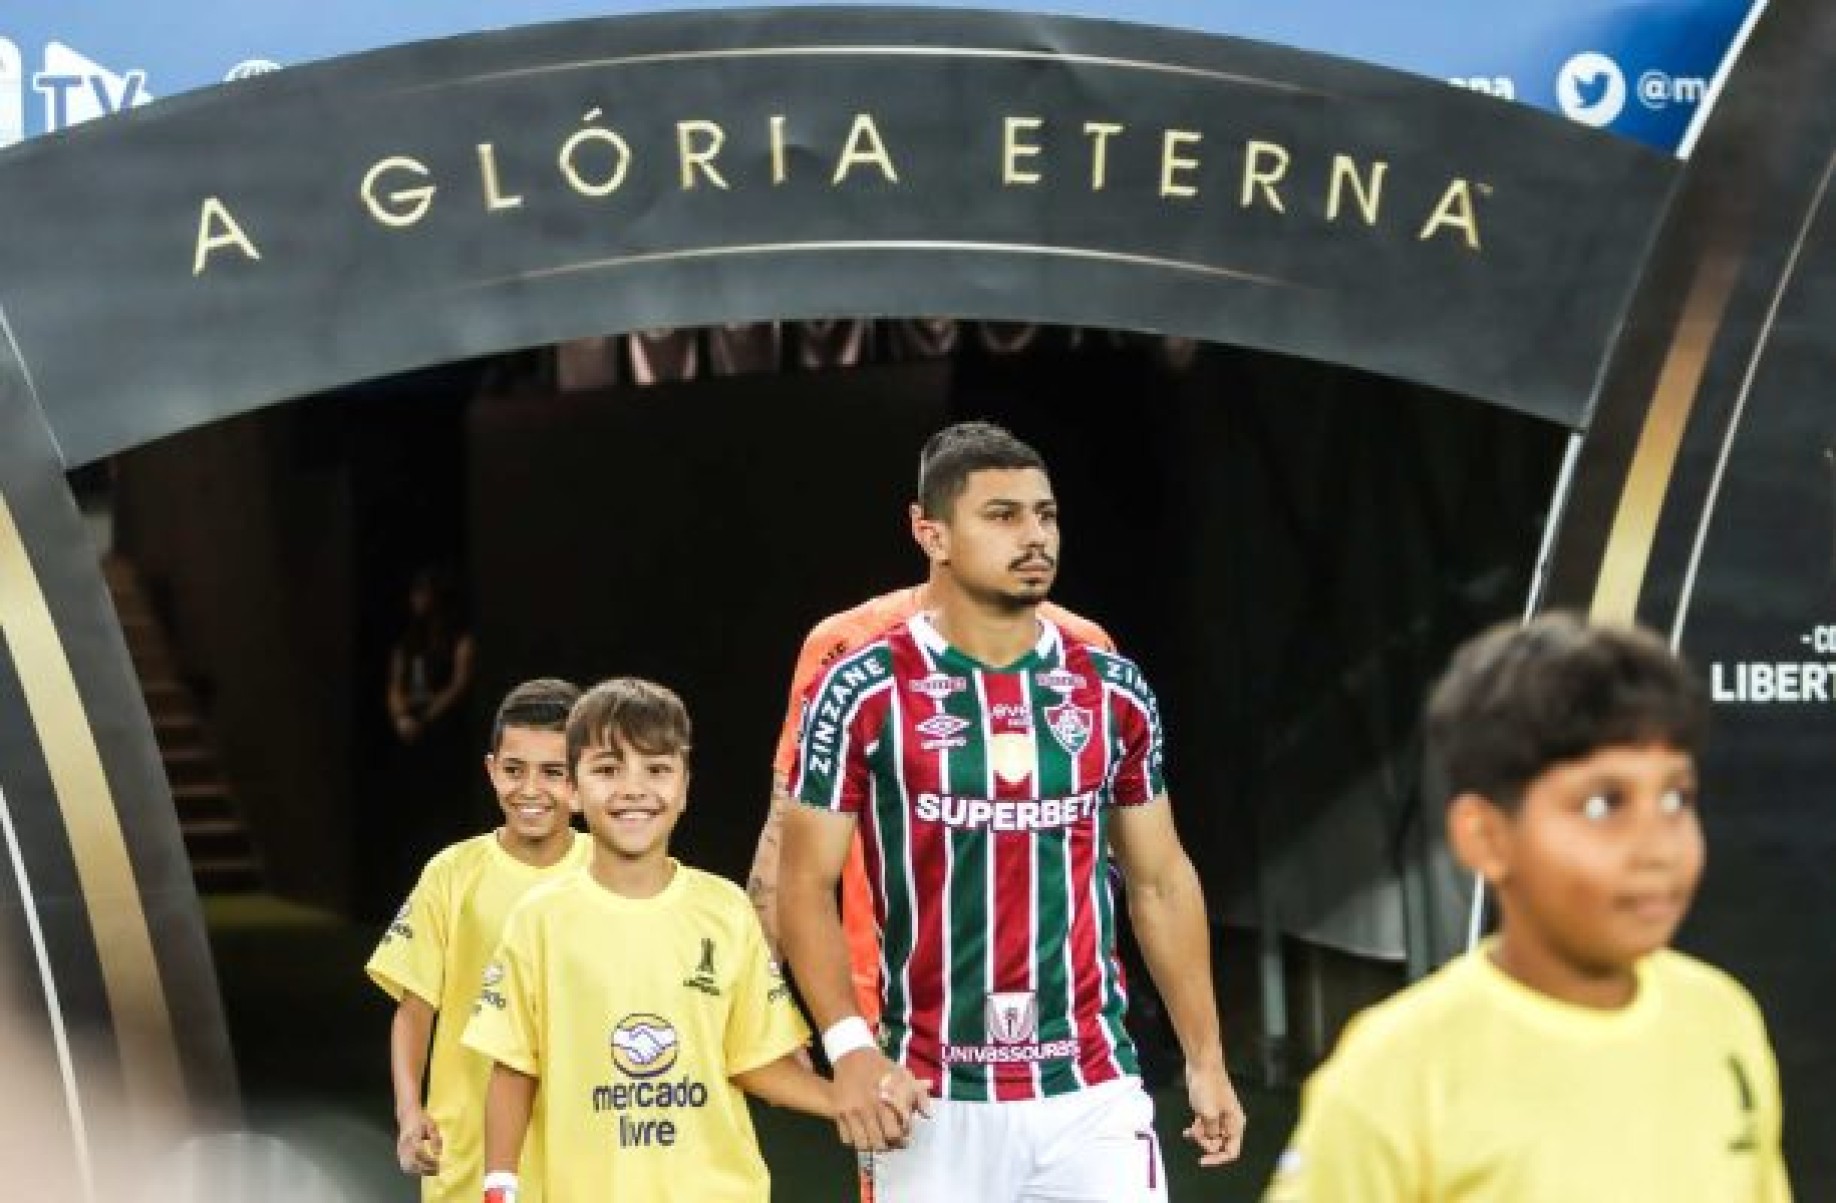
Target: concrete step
column 227, row 875
column 223, row 858
column 200, row 771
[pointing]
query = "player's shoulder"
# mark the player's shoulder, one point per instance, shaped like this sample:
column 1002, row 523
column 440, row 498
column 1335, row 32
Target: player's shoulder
column 845, row 630
column 858, row 670
column 1077, row 628
column 1114, row 670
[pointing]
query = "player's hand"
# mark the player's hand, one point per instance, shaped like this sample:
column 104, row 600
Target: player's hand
column 1217, row 1117
column 873, row 1103
column 905, row 1094
column 418, row 1144
column 406, row 728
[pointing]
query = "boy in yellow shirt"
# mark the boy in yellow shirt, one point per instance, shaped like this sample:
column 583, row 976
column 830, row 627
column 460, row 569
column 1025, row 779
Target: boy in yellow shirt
column 433, row 954
column 636, row 1000
column 1573, row 1056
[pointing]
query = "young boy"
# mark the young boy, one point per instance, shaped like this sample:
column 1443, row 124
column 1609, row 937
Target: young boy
column 432, row 956
column 1572, row 1056
column 638, row 995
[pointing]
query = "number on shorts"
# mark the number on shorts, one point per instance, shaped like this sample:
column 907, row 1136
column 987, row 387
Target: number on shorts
column 1153, row 1161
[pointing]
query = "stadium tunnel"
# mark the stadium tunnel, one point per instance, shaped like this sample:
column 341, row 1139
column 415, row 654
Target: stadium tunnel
column 1289, row 548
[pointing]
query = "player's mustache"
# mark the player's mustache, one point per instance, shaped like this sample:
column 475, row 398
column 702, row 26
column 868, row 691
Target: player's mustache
column 1035, row 560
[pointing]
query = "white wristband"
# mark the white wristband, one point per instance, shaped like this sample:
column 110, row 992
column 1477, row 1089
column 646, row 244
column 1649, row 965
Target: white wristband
column 502, row 1181
column 847, row 1036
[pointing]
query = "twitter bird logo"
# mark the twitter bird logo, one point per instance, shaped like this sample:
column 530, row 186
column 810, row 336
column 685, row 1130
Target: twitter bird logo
column 1591, row 89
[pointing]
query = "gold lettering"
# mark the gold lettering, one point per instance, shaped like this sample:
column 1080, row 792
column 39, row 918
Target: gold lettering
column 1255, row 176
column 621, row 153
column 216, row 228
column 1100, row 132
column 778, row 172
column 411, row 204
column 1366, row 191
column 1013, row 150
column 487, row 170
column 1457, row 210
column 703, row 156
column 864, row 146
column 1172, row 162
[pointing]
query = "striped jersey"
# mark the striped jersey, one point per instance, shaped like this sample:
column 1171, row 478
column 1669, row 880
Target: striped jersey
column 983, row 797
column 828, row 641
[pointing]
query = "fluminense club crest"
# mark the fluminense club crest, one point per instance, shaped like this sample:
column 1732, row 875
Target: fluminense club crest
column 1070, row 725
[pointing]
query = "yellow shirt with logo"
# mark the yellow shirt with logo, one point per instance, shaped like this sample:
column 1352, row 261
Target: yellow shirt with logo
column 634, row 1014
column 437, row 949
column 1470, row 1086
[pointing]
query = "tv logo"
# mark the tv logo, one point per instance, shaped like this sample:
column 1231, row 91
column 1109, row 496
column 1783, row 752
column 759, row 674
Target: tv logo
column 77, row 89
column 1591, row 89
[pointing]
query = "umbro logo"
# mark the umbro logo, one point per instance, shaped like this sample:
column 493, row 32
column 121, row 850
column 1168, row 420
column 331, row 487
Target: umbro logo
column 942, row 726
column 942, row 731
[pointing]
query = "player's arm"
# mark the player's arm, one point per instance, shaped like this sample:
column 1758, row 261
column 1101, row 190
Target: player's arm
column 417, row 1137
column 1166, row 906
column 509, row 1100
column 762, row 882
column 868, row 1087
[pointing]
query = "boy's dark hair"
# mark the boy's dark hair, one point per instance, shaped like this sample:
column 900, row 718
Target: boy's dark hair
column 950, row 455
column 1520, row 699
column 539, row 705
column 628, row 710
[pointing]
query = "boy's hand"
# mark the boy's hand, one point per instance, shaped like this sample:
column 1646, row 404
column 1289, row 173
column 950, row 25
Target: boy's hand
column 1217, row 1117
column 418, row 1144
column 874, row 1101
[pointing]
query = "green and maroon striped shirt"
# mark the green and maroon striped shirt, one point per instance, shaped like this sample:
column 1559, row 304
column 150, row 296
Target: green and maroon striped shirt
column 983, row 796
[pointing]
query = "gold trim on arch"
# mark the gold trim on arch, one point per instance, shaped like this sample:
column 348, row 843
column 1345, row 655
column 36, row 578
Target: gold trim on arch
column 833, row 246
column 111, row 895
column 994, row 53
column 1628, row 550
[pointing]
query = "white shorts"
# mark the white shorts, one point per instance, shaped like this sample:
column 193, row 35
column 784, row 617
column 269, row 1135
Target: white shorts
column 1094, row 1146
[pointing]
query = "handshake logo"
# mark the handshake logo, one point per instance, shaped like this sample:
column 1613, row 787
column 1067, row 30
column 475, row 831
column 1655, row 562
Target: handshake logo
column 644, row 1045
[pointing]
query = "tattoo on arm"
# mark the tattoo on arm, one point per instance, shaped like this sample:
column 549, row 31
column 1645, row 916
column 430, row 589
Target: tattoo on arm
column 762, row 884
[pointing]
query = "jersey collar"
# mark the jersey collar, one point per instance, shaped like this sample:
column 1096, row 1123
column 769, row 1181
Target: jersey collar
column 1047, row 650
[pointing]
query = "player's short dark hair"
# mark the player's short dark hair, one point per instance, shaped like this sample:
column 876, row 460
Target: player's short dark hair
column 953, row 453
column 1521, row 698
column 628, row 710
column 539, row 705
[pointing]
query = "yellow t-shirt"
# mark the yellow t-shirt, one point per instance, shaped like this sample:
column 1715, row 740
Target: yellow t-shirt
column 1470, row 1086
column 437, row 949
column 634, row 1013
